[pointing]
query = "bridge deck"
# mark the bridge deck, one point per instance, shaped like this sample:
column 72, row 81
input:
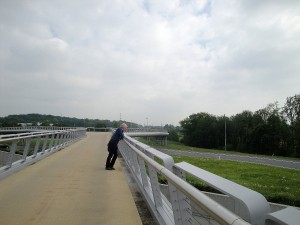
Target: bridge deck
column 69, row 187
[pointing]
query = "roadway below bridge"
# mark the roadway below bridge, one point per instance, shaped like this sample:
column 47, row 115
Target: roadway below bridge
column 271, row 161
column 70, row 187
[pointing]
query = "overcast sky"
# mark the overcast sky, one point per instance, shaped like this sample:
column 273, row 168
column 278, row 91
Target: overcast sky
column 162, row 60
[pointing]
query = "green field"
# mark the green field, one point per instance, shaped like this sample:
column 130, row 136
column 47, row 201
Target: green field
column 278, row 185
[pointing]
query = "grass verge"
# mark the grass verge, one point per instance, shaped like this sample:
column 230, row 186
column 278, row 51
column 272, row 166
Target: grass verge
column 278, row 185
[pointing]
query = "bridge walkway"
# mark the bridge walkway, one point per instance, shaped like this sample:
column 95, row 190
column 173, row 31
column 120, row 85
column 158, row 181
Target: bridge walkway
column 70, row 187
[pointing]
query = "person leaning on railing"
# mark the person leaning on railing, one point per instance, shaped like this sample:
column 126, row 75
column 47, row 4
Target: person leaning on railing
column 113, row 146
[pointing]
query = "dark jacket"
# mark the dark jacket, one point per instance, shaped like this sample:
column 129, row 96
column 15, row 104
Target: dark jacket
column 116, row 137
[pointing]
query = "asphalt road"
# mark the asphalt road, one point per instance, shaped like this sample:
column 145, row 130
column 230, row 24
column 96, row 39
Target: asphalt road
column 241, row 158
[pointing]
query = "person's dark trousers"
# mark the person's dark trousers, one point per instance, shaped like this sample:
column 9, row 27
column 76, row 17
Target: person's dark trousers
column 112, row 156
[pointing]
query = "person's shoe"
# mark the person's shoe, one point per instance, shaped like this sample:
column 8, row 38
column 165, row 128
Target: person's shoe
column 112, row 168
column 108, row 168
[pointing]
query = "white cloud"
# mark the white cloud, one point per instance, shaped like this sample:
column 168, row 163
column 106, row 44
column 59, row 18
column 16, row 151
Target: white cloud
column 158, row 59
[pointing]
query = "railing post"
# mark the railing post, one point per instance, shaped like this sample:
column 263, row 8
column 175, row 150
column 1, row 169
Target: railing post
column 25, row 151
column 175, row 204
column 63, row 140
column 57, row 141
column 136, row 165
column 36, row 148
column 12, row 153
column 155, row 186
column 130, row 156
column 72, row 135
column 182, row 201
column 75, row 135
column 143, row 171
column 51, row 142
column 127, row 152
column 45, row 143
column 67, row 139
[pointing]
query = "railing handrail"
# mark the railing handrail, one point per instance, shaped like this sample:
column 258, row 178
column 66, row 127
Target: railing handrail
column 255, row 205
column 37, row 128
column 218, row 212
column 178, row 202
column 53, row 141
column 31, row 135
column 167, row 160
column 22, row 134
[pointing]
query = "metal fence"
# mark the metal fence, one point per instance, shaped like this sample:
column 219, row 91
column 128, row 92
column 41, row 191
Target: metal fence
column 30, row 128
column 34, row 146
column 172, row 200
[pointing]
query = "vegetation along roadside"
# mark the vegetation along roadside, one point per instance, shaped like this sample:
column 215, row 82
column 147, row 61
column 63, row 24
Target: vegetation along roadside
column 278, row 185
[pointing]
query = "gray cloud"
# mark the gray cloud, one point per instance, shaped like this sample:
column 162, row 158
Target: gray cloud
column 158, row 59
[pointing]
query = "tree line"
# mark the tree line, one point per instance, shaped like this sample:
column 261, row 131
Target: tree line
column 272, row 130
column 60, row 121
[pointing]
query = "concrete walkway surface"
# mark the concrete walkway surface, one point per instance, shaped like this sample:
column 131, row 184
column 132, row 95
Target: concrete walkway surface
column 70, row 187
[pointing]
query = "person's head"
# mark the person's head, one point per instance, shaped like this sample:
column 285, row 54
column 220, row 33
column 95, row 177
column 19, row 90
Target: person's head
column 123, row 126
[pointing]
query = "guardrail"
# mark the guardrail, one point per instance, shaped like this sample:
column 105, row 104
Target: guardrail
column 182, row 196
column 22, row 134
column 52, row 128
column 172, row 200
column 45, row 143
column 145, row 129
column 249, row 204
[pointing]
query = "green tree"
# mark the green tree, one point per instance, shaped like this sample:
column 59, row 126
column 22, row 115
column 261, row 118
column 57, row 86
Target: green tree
column 242, row 130
column 100, row 125
column 173, row 132
column 291, row 109
column 277, row 136
column 270, row 131
column 296, row 129
column 200, row 130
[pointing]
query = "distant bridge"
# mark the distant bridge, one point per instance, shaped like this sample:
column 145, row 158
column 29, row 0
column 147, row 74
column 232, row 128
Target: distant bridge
column 159, row 135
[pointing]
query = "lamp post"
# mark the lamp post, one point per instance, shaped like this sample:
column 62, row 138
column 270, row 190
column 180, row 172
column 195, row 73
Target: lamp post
column 225, row 131
column 147, row 123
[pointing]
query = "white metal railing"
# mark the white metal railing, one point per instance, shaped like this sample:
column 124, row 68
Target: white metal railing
column 174, row 201
column 23, row 134
column 179, row 207
column 36, row 128
column 145, row 129
column 41, row 144
column 249, row 204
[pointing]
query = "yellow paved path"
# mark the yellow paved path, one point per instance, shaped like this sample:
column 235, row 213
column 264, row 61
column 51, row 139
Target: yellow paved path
column 70, row 187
